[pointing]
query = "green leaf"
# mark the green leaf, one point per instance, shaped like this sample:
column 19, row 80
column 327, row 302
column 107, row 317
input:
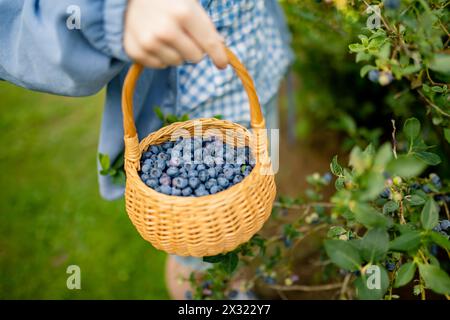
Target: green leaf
column 440, row 240
column 372, row 184
column 374, row 245
column 390, row 206
column 373, row 284
column 430, row 214
column 335, row 168
column 435, row 278
column 441, row 63
column 370, row 217
column 159, row 113
column 384, row 155
column 409, row 241
column 365, row 70
column 343, row 254
column 447, row 134
column 356, row 47
column 415, row 200
column 428, row 157
column 230, row 262
column 411, row 128
column 218, row 116
column 406, row 166
column 214, row 259
column 405, row 274
column 104, row 162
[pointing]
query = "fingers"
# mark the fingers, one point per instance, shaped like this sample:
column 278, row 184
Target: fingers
column 204, row 33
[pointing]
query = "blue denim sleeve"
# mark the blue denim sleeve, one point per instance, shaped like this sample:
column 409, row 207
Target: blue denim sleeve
column 65, row 47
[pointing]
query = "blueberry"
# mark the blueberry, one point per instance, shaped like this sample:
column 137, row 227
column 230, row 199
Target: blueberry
column 149, row 162
column 180, row 182
column 436, row 180
column 198, row 155
column 210, row 183
column 214, row 189
column 237, row 179
column 434, row 249
column 155, row 173
column 186, row 192
column 165, row 180
column 219, row 161
column 426, row 189
column 192, row 173
column 155, row 149
column 172, row 171
column 414, row 186
column 188, row 295
column 212, row 173
column 145, row 177
column 209, row 161
column 194, row 182
column 287, row 242
column 391, row 4
column 152, row 183
column 147, row 155
column 437, row 228
column 374, row 75
column 189, row 166
column 201, row 191
column 145, row 168
column 176, row 191
column 166, row 189
column 162, row 156
column 327, row 177
column 386, row 193
column 167, row 145
column 223, row 182
column 161, row 164
column 445, row 224
column 233, row 294
column 270, row 280
column 228, row 173
column 203, row 175
column 175, row 162
column 390, row 266
column 201, row 167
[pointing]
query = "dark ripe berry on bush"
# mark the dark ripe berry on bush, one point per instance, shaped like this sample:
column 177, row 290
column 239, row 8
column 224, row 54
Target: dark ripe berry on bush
column 287, row 242
column 390, row 266
column 373, row 75
column 386, row 193
column 327, row 177
column 426, row 189
column 434, row 249
column 414, row 186
column 436, row 180
column 437, row 228
column 392, row 4
column 445, row 224
column 270, row 280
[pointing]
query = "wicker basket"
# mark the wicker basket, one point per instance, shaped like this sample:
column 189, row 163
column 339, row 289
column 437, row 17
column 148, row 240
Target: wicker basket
column 208, row 225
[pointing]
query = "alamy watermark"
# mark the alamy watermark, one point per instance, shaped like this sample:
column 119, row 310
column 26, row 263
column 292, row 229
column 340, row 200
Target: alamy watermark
column 74, row 280
column 73, row 21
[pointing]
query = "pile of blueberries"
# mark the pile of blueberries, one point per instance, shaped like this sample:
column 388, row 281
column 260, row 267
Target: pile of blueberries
column 195, row 166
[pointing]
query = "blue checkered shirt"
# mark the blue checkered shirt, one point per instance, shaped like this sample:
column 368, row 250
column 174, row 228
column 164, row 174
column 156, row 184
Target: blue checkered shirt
column 255, row 31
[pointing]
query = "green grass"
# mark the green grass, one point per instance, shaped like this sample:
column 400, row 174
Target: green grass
column 51, row 214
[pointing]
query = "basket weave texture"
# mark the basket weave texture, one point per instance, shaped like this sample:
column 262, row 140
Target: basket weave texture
column 208, row 225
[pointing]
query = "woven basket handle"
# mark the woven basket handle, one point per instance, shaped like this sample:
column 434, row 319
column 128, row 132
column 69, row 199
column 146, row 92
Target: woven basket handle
column 130, row 134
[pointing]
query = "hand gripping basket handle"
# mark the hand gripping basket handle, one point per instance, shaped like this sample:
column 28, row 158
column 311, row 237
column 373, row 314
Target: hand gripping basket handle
column 131, row 140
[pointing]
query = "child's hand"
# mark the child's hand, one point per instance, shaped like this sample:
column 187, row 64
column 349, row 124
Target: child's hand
column 159, row 33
